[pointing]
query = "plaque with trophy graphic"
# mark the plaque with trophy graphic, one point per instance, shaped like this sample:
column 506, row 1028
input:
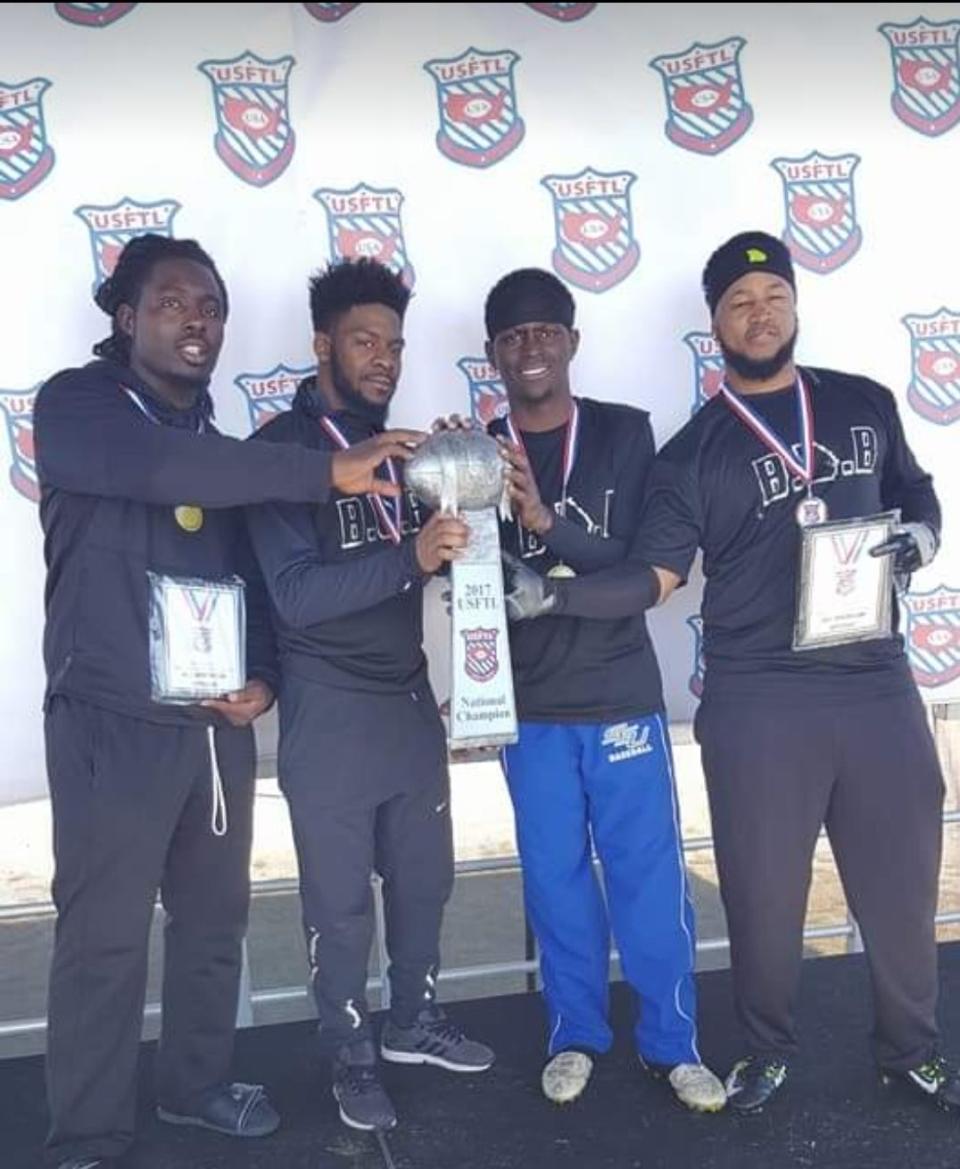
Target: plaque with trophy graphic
column 844, row 594
column 196, row 634
column 461, row 472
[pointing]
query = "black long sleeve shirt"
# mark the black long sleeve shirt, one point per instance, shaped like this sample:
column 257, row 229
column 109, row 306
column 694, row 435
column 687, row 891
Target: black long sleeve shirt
column 347, row 601
column 110, row 477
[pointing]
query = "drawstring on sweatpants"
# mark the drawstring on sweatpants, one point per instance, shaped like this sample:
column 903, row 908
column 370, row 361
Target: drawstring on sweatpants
column 218, row 803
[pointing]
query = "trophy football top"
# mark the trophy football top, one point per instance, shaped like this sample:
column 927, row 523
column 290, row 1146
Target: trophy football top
column 457, row 470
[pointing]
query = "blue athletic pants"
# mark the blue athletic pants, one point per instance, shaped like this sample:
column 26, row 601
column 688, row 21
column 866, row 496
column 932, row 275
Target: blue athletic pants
column 607, row 787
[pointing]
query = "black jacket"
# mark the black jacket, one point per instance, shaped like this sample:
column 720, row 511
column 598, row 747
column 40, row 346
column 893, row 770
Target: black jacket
column 347, row 601
column 110, row 476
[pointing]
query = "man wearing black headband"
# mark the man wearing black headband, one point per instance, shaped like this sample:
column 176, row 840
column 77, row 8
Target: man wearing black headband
column 794, row 741
column 592, row 765
column 135, row 478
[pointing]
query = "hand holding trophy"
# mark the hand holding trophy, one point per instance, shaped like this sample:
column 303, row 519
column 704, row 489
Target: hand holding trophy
column 461, row 470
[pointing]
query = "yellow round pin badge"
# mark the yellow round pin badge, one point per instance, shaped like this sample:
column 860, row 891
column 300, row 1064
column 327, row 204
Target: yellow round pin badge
column 188, row 517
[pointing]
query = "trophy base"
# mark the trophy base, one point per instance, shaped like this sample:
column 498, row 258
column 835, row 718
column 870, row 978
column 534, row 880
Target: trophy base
column 482, row 709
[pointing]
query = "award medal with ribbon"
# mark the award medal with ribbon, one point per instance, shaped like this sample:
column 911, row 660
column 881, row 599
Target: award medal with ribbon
column 188, row 516
column 391, row 523
column 811, row 509
column 559, row 571
column 196, row 628
column 201, row 603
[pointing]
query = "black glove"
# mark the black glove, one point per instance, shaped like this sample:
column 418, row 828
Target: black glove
column 912, row 546
column 526, row 593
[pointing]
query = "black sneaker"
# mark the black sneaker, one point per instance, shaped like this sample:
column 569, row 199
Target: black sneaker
column 236, row 1110
column 363, row 1102
column 87, row 1163
column 752, row 1081
column 435, row 1040
column 935, row 1079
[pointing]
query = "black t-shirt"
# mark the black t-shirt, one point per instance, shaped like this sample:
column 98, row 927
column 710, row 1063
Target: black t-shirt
column 716, row 486
column 568, row 670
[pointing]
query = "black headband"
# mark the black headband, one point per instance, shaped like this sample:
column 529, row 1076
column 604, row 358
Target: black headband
column 525, row 296
column 751, row 251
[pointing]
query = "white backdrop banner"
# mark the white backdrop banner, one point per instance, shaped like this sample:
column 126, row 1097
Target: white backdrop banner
column 614, row 144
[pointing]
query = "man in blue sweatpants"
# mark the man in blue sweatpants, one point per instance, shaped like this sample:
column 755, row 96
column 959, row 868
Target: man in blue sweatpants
column 592, row 767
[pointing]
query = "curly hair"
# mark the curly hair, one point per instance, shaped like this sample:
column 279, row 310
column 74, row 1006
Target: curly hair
column 347, row 283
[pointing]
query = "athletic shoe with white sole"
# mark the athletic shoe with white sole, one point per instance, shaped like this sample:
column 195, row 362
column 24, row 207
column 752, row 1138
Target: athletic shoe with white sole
column 434, row 1039
column 566, row 1075
column 694, row 1085
column 363, row 1101
column 753, row 1081
column 936, row 1079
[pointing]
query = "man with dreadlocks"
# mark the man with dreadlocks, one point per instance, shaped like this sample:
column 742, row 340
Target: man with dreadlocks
column 146, row 794
column 362, row 750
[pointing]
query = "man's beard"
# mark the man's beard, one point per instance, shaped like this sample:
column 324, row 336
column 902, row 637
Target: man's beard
column 354, row 402
column 754, row 370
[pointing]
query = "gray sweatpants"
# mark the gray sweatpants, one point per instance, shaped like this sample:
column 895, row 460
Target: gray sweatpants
column 868, row 771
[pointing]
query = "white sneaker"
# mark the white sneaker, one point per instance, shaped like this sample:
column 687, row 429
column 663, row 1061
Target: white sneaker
column 696, row 1086
column 566, row 1076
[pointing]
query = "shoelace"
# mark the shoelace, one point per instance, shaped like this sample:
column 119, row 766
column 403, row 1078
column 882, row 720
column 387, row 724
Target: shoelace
column 935, row 1069
column 445, row 1029
column 766, row 1070
column 360, row 1080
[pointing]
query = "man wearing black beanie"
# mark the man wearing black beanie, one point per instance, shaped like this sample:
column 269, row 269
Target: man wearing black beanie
column 592, row 766
column 751, row 251
column 793, row 741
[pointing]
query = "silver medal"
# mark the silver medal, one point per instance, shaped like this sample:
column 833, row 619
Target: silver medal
column 811, row 510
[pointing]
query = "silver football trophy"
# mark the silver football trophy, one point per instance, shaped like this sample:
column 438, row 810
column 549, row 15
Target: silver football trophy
column 461, row 471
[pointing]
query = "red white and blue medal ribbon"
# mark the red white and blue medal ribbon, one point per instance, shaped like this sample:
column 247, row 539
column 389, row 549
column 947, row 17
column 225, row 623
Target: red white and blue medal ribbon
column 811, row 509
column 201, row 603
column 570, row 445
column 390, row 522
